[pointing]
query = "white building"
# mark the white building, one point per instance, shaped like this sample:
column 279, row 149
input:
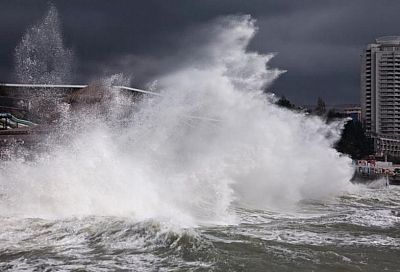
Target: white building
column 380, row 93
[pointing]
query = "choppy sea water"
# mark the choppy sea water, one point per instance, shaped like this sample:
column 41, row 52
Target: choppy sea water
column 211, row 143
column 355, row 232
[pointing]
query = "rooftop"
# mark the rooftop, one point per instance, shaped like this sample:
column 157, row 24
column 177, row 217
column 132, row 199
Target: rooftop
column 388, row 40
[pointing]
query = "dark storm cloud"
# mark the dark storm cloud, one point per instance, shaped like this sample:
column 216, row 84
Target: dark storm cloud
column 321, row 46
column 319, row 42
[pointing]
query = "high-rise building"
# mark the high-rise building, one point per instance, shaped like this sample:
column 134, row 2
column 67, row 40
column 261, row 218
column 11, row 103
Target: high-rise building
column 380, row 94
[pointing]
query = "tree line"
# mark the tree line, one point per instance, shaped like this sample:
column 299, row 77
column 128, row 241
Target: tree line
column 353, row 140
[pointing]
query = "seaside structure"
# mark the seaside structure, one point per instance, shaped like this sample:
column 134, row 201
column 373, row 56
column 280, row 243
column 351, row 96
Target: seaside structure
column 380, row 94
column 354, row 112
column 20, row 122
column 348, row 110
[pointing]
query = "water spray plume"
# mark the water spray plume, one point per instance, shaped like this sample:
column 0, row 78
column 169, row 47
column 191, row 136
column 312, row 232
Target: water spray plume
column 163, row 165
column 41, row 56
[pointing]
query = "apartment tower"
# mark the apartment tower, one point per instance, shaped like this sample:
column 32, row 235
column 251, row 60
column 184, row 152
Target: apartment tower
column 380, row 94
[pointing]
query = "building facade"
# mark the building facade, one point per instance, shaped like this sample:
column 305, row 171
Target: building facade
column 352, row 111
column 380, row 93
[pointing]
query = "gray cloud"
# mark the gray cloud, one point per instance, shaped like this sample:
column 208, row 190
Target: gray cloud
column 319, row 42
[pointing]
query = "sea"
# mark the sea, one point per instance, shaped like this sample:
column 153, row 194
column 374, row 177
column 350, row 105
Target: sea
column 354, row 232
column 207, row 175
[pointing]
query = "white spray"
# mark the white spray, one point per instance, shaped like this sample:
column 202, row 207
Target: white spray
column 41, row 56
column 166, row 164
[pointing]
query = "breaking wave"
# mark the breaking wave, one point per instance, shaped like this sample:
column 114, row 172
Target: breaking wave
column 212, row 141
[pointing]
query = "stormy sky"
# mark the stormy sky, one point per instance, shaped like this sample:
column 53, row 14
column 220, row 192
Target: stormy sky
column 318, row 42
